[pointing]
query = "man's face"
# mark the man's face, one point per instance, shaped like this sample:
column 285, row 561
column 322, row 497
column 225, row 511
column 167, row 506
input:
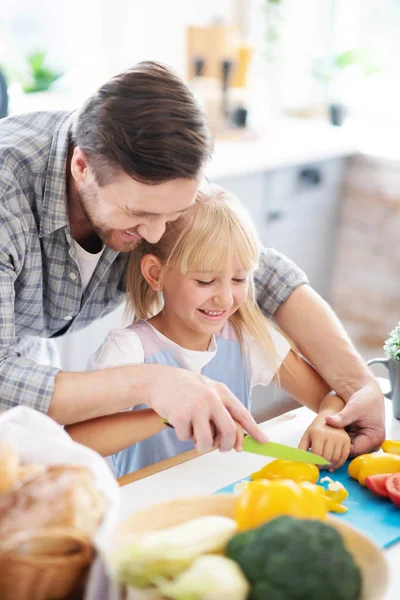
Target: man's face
column 124, row 211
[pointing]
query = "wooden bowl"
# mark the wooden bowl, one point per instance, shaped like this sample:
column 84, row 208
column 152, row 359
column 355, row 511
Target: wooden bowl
column 43, row 564
column 367, row 555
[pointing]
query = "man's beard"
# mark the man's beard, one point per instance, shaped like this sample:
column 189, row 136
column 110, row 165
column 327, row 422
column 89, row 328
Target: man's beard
column 106, row 235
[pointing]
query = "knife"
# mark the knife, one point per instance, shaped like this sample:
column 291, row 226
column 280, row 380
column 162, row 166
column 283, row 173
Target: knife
column 276, row 450
column 281, row 451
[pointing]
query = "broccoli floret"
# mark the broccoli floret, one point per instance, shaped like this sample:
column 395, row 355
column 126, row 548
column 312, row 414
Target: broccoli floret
column 296, row 559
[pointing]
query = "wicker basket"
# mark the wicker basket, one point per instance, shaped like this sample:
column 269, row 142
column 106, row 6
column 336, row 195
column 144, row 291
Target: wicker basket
column 43, row 564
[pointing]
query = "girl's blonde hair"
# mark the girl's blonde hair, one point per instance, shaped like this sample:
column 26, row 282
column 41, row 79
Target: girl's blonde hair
column 214, row 230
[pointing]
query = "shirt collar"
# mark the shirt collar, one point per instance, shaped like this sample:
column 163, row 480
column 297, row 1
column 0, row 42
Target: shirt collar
column 54, row 208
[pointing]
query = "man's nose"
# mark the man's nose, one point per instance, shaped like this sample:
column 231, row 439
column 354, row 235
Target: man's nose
column 152, row 233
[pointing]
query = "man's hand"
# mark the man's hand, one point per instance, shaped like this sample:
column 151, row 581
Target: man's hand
column 239, row 439
column 364, row 419
column 198, row 408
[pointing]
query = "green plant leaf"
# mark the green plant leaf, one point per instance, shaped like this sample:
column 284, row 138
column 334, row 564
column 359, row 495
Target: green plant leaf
column 41, row 77
column 392, row 344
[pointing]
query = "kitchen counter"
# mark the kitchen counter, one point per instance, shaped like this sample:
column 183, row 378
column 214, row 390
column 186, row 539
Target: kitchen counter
column 289, row 142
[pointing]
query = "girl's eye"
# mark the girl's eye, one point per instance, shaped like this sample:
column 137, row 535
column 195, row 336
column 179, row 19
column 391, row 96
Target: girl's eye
column 204, row 283
column 241, row 280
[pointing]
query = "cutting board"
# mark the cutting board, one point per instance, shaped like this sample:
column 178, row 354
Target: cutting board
column 376, row 517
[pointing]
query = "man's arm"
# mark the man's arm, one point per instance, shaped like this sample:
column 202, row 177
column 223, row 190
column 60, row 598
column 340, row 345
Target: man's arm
column 321, row 338
column 319, row 335
column 72, row 397
column 313, row 326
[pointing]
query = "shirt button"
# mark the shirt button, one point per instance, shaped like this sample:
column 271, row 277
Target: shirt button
column 72, row 276
column 68, row 318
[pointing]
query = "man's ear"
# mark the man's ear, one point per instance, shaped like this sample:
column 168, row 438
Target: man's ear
column 151, row 267
column 79, row 165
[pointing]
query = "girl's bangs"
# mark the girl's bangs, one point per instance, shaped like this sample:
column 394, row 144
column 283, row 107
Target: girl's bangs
column 213, row 241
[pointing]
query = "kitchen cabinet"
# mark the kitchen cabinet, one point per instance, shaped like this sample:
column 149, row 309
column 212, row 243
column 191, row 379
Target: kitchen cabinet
column 366, row 282
column 295, row 211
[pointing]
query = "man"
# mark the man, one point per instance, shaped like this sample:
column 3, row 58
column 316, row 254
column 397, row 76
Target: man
column 77, row 192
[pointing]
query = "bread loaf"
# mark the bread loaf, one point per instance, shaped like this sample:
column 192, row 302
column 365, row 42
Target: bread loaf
column 60, row 496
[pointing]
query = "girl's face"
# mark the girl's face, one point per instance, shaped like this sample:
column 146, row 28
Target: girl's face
column 201, row 303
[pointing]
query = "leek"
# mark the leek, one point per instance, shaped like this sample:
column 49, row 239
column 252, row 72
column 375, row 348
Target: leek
column 209, row 578
column 145, row 558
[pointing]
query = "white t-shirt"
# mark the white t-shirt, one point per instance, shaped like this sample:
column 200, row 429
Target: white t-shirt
column 124, row 347
column 87, row 263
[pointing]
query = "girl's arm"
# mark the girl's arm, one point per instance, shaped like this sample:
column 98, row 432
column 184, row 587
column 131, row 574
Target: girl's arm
column 113, row 433
column 303, row 383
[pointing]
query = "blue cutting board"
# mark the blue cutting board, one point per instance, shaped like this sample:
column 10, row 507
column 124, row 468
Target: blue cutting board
column 378, row 518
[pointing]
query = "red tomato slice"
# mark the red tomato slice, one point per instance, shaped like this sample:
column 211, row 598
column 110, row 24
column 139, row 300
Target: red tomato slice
column 377, row 484
column 393, row 487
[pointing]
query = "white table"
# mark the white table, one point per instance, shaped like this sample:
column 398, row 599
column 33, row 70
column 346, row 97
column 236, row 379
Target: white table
column 210, row 472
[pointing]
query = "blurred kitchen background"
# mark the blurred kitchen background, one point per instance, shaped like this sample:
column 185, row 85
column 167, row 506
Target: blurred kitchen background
column 303, row 99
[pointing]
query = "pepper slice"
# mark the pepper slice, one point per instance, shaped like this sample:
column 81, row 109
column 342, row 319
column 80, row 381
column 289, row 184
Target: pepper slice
column 287, row 469
column 335, row 494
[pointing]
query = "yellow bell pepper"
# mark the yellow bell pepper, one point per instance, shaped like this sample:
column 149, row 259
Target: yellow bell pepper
column 264, row 499
column 373, row 464
column 391, row 446
column 287, row 469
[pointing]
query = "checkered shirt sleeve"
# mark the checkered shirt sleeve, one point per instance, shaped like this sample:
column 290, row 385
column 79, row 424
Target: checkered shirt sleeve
column 276, row 278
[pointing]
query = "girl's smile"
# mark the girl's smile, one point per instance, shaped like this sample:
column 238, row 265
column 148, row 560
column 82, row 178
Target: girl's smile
column 197, row 305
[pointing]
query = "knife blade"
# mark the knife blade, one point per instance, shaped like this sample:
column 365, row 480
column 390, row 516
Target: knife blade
column 275, row 450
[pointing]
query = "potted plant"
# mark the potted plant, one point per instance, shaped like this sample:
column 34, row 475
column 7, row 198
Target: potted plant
column 392, row 344
column 392, row 363
column 40, row 76
column 339, row 72
column 30, row 87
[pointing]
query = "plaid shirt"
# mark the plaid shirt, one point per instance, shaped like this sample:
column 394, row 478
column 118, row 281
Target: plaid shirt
column 40, row 283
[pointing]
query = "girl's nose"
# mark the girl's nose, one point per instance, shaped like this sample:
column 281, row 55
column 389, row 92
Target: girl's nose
column 223, row 299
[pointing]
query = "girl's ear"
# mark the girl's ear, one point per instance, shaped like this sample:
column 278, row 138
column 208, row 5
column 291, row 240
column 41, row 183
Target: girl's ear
column 151, row 267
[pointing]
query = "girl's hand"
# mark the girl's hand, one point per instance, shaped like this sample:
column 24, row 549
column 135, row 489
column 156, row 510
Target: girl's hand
column 329, row 442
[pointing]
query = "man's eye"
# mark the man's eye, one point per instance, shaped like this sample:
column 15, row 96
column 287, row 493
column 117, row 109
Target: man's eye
column 204, row 283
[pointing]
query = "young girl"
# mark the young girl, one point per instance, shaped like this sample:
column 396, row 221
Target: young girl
column 193, row 299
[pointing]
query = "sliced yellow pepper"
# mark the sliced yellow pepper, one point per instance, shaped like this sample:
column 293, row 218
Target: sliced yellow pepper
column 373, row 464
column 335, row 494
column 287, row 469
column 391, row 446
column 315, row 495
column 264, row 499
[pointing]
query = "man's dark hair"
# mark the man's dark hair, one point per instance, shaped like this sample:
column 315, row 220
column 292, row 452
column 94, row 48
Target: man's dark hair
column 146, row 122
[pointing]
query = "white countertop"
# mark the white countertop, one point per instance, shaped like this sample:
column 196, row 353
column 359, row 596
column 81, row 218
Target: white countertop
column 210, row 472
column 289, row 142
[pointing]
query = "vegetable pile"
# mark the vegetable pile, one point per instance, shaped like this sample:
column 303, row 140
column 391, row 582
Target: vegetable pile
column 258, row 556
